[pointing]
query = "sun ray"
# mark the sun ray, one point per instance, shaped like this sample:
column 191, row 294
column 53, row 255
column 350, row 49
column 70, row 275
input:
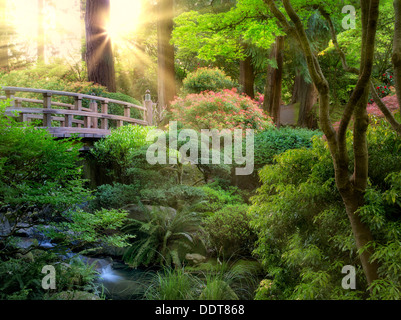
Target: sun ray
column 124, row 18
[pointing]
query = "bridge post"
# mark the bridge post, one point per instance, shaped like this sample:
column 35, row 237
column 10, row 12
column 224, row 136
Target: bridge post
column 148, row 104
column 47, row 104
column 93, row 107
column 78, row 107
column 104, row 123
column 10, row 95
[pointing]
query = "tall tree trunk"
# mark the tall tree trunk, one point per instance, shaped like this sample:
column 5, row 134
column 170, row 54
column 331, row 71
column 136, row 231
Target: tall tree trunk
column 41, row 32
column 296, row 89
column 4, row 36
column 272, row 99
column 165, row 54
column 307, row 95
column 247, row 77
column 397, row 50
column 99, row 53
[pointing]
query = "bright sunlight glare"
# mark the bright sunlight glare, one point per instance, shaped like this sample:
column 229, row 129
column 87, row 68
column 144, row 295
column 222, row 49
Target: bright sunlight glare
column 124, row 18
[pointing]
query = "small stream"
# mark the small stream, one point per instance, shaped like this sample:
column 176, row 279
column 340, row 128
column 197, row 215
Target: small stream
column 121, row 282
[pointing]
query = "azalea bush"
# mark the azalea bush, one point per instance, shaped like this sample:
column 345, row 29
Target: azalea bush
column 218, row 110
column 383, row 90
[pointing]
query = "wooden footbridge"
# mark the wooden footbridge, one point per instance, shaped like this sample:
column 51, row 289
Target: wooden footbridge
column 63, row 120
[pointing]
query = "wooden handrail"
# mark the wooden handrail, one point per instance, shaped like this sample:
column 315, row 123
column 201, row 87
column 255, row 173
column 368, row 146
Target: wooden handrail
column 88, row 127
column 72, row 94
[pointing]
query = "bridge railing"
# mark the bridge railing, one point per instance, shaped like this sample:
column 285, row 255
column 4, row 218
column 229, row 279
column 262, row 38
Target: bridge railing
column 64, row 119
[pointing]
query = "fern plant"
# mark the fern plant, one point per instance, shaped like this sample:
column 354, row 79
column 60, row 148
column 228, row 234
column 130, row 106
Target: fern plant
column 163, row 238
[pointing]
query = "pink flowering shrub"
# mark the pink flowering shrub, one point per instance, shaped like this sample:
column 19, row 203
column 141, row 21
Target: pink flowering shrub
column 259, row 98
column 385, row 89
column 390, row 101
column 218, row 110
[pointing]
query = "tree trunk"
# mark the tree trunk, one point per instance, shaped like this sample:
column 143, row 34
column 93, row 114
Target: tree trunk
column 397, row 50
column 247, row 77
column 272, row 99
column 4, row 37
column 99, row 53
column 307, row 98
column 361, row 232
column 296, row 89
column 165, row 54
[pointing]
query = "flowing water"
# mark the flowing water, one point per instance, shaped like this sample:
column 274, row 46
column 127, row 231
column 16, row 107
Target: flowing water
column 123, row 283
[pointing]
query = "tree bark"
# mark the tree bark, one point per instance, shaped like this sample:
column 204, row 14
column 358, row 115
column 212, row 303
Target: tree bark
column 99, row 53
column 397, row 50
column 307, row 95
column 272, row 99
column 247, row 77
column 4, row 37
column 165, row 54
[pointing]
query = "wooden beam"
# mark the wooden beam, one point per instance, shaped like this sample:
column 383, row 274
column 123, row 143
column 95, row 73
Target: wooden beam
column 104, row 123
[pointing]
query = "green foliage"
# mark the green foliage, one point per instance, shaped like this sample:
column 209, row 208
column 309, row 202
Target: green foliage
column 206, row 79
column 272, row 142
column 22, row 280
column 175, row 196
column 217, row 289
column 229, row 231
column 90, row 230
column 40, row 178
column 230, row 280
column 173, row 284
column 115, row 196
column 226, row 281
column 122, row 150
column 304, row 236
column 217, row 197
column 163, row 238
column 210, row 35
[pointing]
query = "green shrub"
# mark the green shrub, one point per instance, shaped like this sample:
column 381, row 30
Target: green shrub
column 207, row 79
column 175, row 196
column 115, row 196
column 22, row 280
column 173, row 284
column 41, row 186
column 123, row 149
column 163, row 238
column 217, row 198
column 272, row 142
column 304, row 235
column 40, row 178
column 229, row 231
